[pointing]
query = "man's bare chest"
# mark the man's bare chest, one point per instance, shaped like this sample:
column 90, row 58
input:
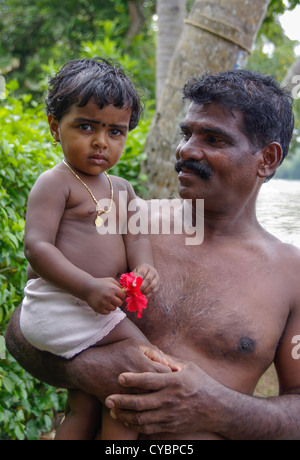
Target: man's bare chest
column 225, row 311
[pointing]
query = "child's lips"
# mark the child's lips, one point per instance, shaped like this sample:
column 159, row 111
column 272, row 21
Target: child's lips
column 98, row 159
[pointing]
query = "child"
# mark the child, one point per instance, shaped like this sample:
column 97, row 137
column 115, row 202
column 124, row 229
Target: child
column 73, row 297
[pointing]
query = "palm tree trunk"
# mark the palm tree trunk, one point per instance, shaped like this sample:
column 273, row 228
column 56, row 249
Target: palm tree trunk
column 218, row 35
column 171, row 15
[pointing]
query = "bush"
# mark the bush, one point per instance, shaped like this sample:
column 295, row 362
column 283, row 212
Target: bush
column 25, row 152
column 27, row 406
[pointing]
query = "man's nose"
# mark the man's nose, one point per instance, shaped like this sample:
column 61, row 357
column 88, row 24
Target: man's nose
column 189, row 150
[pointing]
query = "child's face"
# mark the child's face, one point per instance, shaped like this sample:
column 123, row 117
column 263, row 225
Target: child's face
column 91, row 138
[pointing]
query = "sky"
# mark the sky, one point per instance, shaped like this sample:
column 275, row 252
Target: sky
column 290, row 22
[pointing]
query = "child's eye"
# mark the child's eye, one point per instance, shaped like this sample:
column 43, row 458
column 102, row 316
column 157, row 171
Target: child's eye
column 116, row 132
column 85, row 127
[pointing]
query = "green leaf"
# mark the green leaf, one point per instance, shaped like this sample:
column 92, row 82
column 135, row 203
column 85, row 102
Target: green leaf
column 19, row 432
column 8, row 384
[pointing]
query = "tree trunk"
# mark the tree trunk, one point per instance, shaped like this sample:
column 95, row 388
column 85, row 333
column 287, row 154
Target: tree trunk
column 137, row 20
column 171, row 15
column 218, row 35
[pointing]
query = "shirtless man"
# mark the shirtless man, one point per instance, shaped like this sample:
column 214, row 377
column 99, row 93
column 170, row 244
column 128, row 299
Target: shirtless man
column 227, row 308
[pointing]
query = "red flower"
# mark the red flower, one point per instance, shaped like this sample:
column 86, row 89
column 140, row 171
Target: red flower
column 135, row 301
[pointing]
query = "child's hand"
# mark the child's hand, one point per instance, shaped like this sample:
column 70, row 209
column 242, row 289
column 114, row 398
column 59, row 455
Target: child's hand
column 150, row 278
column 105, row 295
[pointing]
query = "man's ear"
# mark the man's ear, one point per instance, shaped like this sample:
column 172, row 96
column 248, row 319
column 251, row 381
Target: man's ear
column 53, row 127
column 271, row 156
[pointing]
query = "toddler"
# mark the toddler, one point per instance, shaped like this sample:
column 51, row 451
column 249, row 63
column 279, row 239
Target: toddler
column 73, row 296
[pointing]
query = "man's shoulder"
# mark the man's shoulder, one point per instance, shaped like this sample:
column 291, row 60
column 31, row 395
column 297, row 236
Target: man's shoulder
column 286, row 259
column 287, row 251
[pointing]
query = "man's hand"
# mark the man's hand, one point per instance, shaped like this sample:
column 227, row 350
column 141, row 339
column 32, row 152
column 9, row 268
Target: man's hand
column 177, row 402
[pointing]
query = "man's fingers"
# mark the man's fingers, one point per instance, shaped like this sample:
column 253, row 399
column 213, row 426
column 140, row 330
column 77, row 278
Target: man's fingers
column 130, row 402
column 144, row 414
column 148, row 422
column 145, row 381
column 155, row 354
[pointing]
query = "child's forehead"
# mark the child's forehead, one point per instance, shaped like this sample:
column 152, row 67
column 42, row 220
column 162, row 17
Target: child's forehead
column 92, row 109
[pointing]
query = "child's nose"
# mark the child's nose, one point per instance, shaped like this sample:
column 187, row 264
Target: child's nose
column 99, row 141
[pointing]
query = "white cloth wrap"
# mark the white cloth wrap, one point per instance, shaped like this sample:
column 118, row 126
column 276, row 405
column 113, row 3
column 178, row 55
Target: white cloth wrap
column 55, row 321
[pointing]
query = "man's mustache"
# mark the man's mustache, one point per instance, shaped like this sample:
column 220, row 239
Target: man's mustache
column 201, row 169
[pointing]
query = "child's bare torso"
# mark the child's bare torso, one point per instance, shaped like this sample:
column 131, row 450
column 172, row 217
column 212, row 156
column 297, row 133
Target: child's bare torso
column 101, row 255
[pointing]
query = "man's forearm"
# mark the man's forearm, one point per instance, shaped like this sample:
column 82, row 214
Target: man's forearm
column 41, row 365
column 94, row 371
column 91, row 371
column 244, row 417
column 191, row 401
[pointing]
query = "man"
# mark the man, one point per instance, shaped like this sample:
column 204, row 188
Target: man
column 228, row 307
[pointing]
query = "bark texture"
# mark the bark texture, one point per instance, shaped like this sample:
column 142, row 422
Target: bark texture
column 171, row 15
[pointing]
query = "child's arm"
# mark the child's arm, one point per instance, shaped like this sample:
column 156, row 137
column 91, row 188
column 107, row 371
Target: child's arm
column 46, row 205
column 140, row 261
column 139, row 252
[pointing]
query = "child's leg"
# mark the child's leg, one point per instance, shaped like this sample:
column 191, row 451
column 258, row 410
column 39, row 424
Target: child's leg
column 125, row 329
column 83, row 420
column 113, row 430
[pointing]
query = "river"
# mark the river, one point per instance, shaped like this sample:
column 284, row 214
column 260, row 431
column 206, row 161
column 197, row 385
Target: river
column 278, row 209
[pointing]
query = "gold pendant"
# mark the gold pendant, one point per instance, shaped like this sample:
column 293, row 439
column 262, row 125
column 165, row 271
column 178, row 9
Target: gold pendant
column 98, row 221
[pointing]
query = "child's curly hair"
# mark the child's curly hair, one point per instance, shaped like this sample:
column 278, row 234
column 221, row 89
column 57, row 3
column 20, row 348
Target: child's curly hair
column 102, row 80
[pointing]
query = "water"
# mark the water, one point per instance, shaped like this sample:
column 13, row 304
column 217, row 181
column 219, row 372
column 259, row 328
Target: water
column 278, row 209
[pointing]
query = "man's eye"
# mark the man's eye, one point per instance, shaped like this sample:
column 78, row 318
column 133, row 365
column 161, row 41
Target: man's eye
column 185, row 135
column 216, row 140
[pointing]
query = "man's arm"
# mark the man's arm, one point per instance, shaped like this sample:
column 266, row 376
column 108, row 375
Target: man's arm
column 191, row 401
column 183, row 401
column 94, row 371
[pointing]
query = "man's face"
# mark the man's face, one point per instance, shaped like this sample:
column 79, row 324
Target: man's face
column 214, row 158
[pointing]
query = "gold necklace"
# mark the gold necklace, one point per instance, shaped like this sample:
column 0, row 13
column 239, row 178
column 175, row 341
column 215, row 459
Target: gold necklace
column 98, row 220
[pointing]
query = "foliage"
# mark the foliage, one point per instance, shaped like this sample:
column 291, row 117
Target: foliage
column 270, row 26
column 27, row 406
column 33, row 30
column 25, row 151
column 274, row 54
